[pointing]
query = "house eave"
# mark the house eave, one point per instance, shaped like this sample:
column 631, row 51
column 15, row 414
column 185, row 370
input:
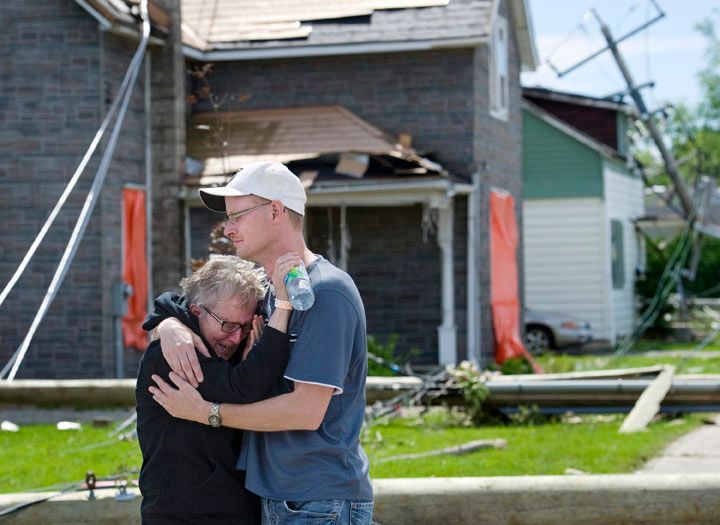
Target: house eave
column 435, row 192
column 576, row 99
column 230, row 54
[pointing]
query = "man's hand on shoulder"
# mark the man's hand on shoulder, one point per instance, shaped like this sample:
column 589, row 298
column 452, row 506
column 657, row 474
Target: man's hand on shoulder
column 178, row 345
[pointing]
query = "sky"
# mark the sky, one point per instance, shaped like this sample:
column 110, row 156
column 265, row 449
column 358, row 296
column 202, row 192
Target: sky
column 669, row 52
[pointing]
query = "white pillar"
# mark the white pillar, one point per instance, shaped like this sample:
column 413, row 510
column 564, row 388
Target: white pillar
column 447, row 331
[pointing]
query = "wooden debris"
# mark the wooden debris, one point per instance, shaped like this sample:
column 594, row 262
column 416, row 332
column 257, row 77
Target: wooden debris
column 588, row 374
column 570, row 471
column 648, row 404
column 457, row 450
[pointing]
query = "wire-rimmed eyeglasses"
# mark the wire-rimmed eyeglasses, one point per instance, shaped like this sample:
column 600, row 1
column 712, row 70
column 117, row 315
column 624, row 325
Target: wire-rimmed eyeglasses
column 232, row 218
column 230, row 327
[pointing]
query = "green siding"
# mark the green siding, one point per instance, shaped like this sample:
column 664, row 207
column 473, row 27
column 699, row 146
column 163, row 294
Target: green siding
column 557, row 165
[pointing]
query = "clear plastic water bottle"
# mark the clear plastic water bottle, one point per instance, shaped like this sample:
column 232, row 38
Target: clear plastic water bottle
column 299, row 288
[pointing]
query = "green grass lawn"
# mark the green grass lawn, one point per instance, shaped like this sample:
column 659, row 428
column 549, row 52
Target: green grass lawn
column 571, row 363
column 40, row 456
column 647, row 345
column 594, row 446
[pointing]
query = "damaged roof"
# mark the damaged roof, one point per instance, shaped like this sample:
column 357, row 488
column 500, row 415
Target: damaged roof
column 125, row 14
column 247, row 25
column 325, row 142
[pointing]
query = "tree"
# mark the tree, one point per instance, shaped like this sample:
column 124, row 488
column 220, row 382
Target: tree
column 694, row 135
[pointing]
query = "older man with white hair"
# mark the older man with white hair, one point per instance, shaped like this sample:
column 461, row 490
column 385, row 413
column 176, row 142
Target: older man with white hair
column 188, row 473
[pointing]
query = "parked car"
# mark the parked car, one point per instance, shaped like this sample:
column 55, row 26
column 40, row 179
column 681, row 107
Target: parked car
column 546, row 330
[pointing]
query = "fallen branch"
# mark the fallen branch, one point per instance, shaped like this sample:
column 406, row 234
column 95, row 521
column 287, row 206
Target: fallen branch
column 456, row 450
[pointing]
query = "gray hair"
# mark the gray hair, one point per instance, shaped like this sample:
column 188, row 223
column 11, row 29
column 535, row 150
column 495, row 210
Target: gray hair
column 225, row 278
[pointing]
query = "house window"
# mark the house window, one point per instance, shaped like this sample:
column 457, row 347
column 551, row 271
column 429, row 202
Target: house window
column 499, row 69
column 617, row 254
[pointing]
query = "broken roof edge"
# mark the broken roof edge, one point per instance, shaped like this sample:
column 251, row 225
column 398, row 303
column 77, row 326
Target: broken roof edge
column 578, row 99
column 124, row 24
column 229, row 53
column 572, row 132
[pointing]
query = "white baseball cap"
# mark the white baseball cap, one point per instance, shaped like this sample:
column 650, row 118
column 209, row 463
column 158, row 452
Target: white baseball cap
column 269, row 180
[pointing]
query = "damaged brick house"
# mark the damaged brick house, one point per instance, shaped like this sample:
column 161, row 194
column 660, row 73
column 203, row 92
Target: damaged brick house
column 400, row 118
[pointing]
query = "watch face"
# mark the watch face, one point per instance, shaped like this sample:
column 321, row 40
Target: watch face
column 214, row 420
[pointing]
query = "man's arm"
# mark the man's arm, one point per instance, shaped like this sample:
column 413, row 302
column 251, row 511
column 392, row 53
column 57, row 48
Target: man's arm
column 302, row 409
column 250, row 380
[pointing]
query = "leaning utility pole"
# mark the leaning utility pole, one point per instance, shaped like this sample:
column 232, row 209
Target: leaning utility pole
column 646, row 116
column 649, row 121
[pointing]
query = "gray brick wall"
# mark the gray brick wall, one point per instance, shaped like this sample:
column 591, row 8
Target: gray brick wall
column 128, row 167
column 497, row 150
column 168, row 154
column 59, row 73
column 428, row 94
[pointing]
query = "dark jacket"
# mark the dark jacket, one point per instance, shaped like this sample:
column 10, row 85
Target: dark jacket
column 188, row 473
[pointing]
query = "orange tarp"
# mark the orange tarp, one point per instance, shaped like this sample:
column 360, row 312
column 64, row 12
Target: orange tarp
column 504, row 278
column 135, row 268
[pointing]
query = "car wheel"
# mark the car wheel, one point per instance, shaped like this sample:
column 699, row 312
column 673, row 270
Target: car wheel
column 537, row 340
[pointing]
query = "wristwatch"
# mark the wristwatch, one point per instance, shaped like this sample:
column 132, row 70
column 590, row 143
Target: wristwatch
column 214, row 419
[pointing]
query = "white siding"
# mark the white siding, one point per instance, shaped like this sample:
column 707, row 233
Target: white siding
column 624, row 203
column 565, row 250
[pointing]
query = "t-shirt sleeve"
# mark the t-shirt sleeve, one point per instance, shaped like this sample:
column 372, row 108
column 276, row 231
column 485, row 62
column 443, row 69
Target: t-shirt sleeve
column 321, row 354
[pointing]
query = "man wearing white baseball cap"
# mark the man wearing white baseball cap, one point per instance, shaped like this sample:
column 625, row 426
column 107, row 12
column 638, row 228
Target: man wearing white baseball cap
column 303, row 454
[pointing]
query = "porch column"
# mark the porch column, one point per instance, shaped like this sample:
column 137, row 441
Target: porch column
column 447, row 331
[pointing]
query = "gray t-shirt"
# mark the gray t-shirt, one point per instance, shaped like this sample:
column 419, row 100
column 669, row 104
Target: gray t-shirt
column 328, row 347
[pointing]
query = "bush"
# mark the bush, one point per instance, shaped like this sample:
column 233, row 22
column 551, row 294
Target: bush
column 387, row 353
column 704, row 285
column 472, row 382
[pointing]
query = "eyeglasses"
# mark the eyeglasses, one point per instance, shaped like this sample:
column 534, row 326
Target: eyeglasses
column 232, row 218
column 230, row 327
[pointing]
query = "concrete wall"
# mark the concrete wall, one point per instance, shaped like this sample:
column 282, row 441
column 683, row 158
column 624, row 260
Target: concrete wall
column 532, row 500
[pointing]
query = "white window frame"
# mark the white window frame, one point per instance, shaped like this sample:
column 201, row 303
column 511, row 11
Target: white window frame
column 499, row 70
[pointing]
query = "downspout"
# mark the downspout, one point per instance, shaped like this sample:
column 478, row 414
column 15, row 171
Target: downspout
column 474, row 326
column 148, row 181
